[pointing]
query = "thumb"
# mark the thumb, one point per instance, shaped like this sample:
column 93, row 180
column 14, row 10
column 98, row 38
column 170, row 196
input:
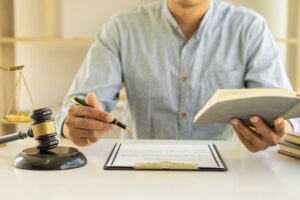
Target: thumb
column 279, row 126
column 91, row 99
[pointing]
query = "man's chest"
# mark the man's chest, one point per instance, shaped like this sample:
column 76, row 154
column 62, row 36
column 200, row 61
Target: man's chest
column 168, row 59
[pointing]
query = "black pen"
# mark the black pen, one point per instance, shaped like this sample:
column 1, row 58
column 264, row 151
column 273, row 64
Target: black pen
column 116, row 122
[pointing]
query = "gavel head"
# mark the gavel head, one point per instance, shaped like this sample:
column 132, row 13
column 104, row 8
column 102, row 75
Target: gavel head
column 43, row 129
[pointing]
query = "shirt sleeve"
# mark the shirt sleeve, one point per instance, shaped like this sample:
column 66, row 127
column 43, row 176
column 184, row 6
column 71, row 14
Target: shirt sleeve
column 264, row 66
column 100, row 72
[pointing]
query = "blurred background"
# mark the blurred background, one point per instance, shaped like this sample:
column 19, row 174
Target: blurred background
column 51, row 38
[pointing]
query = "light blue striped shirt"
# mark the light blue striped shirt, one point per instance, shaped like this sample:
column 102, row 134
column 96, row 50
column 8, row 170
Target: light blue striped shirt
column 169, row 78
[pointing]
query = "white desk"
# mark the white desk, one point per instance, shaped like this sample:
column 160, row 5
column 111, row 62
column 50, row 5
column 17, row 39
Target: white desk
column 265, row 175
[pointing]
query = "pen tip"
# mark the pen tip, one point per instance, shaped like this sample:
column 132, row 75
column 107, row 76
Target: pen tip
column 129, row 129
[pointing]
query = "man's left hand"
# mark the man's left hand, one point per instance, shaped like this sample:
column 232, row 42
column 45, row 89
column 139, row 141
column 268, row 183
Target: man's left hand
column 261, row 136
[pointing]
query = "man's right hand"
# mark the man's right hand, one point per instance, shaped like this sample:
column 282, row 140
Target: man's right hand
column 84, row 124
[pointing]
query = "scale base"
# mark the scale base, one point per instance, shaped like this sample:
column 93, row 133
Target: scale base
column 59, row 158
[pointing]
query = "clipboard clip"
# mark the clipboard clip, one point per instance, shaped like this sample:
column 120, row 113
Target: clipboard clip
column 166, row 165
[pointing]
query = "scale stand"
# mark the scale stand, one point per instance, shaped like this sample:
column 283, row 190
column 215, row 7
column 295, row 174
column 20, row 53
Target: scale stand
column 59, row 158
column 17, row 118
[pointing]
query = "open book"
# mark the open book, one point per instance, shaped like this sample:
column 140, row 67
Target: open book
column 244, row 103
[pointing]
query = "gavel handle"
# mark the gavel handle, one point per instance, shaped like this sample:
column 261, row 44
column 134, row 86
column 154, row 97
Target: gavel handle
column 15, row 136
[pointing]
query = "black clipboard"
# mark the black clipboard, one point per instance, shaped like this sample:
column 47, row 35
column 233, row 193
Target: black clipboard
column 167, row 166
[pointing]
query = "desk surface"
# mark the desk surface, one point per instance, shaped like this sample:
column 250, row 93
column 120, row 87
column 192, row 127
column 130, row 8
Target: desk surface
column 264, row 175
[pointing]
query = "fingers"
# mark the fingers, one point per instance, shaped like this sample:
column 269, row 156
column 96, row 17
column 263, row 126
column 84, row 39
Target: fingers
column 82, row 133
column 269, row 136
column 279, row 126
column 85, row 122
column 78, row 127
column 246, row 142
column 261, row 127
column 90, row 112
column 248, row 137
column 88, row 124
column 84, row 141
column 261, row 136
column 83, row 137
column 245, row 131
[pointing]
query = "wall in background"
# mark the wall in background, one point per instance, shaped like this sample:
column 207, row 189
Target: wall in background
column 51, row 66
column 281, row 17
column 84, row 18
column 6, row 59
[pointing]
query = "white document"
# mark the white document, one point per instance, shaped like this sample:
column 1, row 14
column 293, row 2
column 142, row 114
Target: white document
column 130, row 154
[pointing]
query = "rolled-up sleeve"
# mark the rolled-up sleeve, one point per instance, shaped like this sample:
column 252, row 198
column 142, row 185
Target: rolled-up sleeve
column 296, row 125
column 264, row 67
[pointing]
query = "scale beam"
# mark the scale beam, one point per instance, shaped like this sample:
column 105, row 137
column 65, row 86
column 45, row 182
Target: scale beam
column 14, row 68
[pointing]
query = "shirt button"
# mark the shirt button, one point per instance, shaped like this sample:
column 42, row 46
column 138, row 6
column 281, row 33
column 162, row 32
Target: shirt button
column 184, row 78
column 183, row 114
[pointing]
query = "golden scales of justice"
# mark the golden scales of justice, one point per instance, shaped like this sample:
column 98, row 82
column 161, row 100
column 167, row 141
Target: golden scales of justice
column 47, row 155
column 17, row 117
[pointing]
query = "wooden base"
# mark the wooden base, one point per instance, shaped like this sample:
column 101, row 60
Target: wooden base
column 59, row 158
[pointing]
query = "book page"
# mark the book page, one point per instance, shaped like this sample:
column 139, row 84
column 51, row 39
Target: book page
column 229, row 94
column 127, row 155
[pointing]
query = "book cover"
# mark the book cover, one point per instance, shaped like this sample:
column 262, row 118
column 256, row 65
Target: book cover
column 267, row 103
column 292, row 138
column 287, row 147
column 288, row 154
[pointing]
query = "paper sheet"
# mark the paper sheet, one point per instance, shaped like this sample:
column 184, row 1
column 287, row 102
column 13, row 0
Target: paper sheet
column 127, row 155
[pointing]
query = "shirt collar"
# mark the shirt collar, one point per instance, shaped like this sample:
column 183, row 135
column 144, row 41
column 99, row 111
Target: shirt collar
column 207, row 17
